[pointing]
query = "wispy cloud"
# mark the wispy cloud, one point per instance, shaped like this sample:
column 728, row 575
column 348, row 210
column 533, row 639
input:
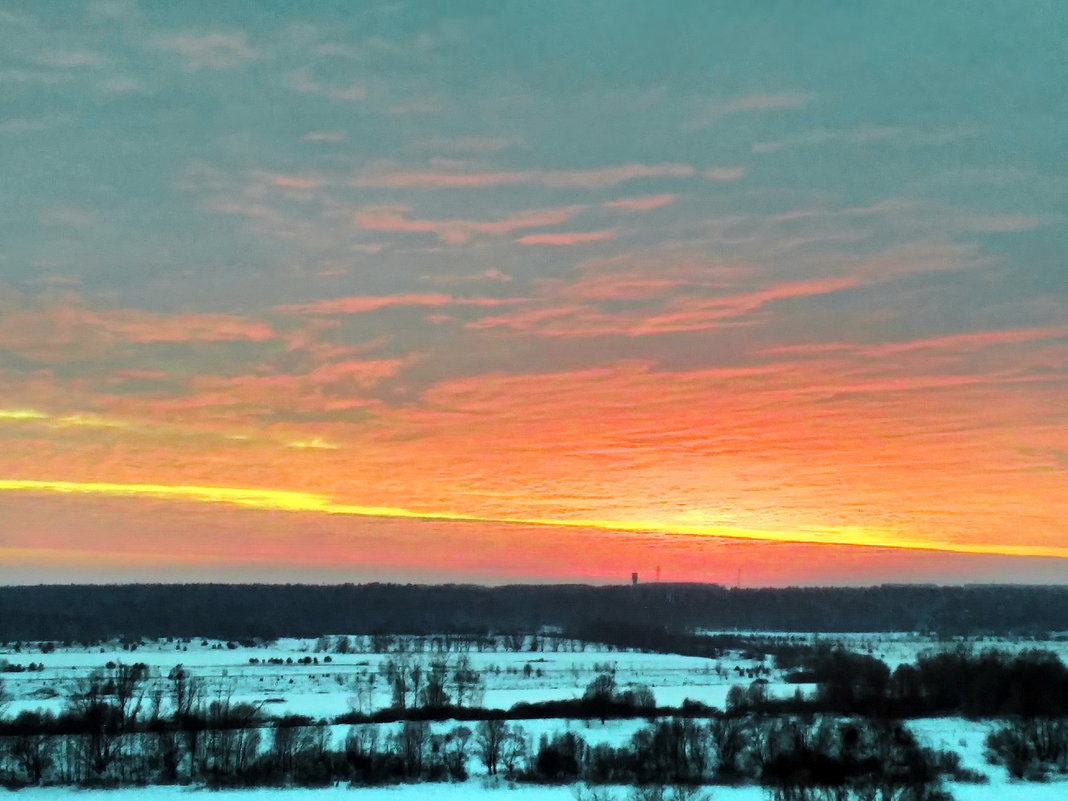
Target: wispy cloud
column 361, row 305
column 325, row 136
column 485, row 275
column 393, row 218
column 214, row 50
column 566, row 238
column 69, row 59
column 724, row 173
column 598, row 178
column 57, row 332
column 668, row 307
column 646, row 203
column 303, row 82
column 899, row 136
column 466, row 145
column 748, row 104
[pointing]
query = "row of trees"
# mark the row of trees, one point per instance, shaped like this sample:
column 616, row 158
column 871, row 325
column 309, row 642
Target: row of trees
column 1030, row 748
column 120, row 728
column 797, row 758
column 435, row 684
column 987, row 684
column 237, row 612
column 450, row 643
column 237, row 748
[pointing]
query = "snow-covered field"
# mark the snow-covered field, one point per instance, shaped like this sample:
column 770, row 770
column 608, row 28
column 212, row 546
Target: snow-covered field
column 351, row 681
column 342, row 682
column 477, row 791
column 327, row 689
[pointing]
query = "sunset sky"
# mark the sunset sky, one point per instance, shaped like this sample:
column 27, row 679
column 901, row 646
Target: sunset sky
column 756, row 293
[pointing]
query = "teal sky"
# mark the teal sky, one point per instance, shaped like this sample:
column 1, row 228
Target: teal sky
column 760, row 267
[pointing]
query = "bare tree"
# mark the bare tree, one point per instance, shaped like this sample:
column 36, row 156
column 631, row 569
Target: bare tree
column 434, row 693
column 31, row 749
column 489, row 739
column 397, row 673
column 454, row 751
column 412, row 742
column 513, row 749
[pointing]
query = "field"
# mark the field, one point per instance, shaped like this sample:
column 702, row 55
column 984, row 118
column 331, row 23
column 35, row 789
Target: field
column 311, row 678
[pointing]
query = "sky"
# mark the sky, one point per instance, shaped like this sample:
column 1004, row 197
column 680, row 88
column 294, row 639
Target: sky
column 760, row 294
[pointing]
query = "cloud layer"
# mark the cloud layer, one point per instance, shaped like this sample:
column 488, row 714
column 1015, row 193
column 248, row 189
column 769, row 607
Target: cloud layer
column 462, row 295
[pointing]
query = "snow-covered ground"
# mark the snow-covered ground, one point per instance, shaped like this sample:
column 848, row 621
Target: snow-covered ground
column 352, row 680
column 327, row 689
column 473, row 790
column 477, row 791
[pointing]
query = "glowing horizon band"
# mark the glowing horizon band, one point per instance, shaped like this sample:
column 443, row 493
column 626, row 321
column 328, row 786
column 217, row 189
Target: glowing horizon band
column 295, row 501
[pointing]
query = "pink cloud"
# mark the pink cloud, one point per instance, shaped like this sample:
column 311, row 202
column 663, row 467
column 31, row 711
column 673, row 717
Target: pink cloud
column 666, row 310
column 392, row 218
column 610, row 176
column 598, row 178
column 296, row 182
column 485, row 275
column 646, row 203
column 435, row 180
column 143, row 327
column 566, row 238
column 74, row 331
column 360, row 305
column 972, row 340
column 361, row 371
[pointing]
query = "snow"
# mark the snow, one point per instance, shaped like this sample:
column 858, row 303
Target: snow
column 326, row 690
column 407, row 792
column 477, row 791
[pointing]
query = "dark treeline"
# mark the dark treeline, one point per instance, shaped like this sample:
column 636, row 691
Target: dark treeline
column 797, row 757
column 987, row 684
column 79, row 613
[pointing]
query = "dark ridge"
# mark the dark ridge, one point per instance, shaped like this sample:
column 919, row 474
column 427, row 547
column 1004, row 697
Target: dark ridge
column 623, row 615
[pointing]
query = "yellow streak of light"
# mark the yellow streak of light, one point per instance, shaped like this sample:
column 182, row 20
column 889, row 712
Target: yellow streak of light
column 316, row 443
column 74, row 419
column 22, row 414
column 291, row 501
column 91, row 420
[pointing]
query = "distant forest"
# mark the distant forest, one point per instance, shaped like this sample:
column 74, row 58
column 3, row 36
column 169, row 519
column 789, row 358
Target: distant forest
column 624, row 615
